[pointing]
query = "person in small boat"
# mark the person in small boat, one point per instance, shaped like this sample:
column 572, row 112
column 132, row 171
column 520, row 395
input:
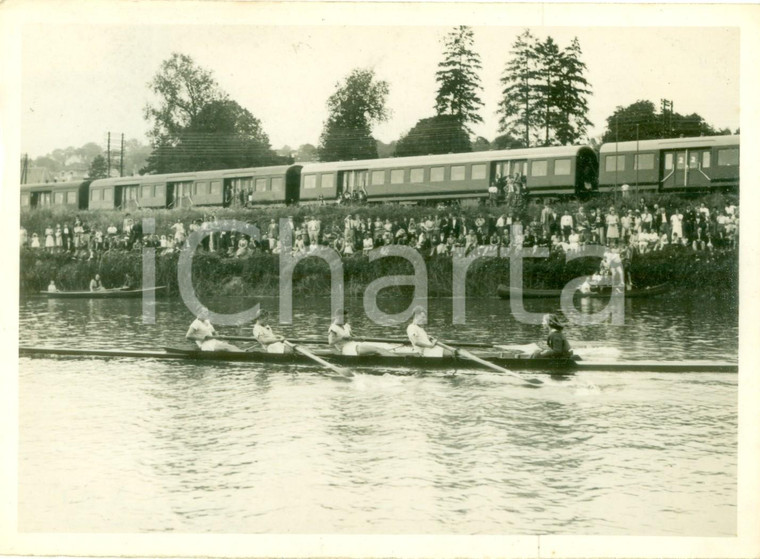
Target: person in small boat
column 96, row 284
column 585, row 287
column 52, row 288
column 128, row 282
column 423, row 344
column 264, row 335
column 203, row 334
column 339, row 338
column 556, row 342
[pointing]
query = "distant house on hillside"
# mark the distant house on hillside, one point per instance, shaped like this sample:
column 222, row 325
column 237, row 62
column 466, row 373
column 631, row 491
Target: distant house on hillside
column 36, row 175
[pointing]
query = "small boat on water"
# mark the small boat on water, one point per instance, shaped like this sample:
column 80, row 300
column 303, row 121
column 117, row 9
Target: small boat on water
column 506, row 292
column 118, row 293
column 376, row 364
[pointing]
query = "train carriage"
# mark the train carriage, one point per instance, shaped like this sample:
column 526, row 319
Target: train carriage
column 677, row 164
column 224, row 187
column 70, row 195
column 552, row 170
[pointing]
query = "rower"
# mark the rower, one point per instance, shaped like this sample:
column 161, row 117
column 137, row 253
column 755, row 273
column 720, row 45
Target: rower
column 558, row 346
column 585, row 287
column 52, row 288
column 423, row 344
column 339, row 339
column 264, row 335
column 96, row 284
column 202, row 333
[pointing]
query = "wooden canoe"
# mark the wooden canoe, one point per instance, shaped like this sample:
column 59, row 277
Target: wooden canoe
column 506, row 292
column 119, row 293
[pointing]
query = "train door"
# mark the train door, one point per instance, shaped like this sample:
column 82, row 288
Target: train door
column 118, row 196
column 686, row 168
column 293, row 185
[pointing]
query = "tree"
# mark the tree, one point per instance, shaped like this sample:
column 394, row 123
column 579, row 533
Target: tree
column 545, row 92
column 507, row 141
column 98, row 168
column 306, row 152
column 640, row 120
column 519, row 105
column 439, row 134
column 222, row 135
column 183, row 90
column 196, row 126
column 481, row 144
column 357, row 104
column 458, row 80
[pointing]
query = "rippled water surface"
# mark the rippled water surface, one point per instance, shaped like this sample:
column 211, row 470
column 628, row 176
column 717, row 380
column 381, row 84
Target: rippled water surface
column 150, row 445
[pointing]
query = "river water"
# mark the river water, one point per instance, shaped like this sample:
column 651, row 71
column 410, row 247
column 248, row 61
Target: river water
column 128, row 445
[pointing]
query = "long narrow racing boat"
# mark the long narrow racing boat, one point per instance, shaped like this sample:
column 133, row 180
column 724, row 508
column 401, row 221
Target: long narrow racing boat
column 506, row 292
column 513, row 361
column 119, row 293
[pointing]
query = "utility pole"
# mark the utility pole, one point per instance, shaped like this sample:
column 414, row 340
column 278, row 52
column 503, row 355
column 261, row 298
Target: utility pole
column 121, row 157
column 666, row 109
column 25, row 169
column 636, row 159
column 108, row 157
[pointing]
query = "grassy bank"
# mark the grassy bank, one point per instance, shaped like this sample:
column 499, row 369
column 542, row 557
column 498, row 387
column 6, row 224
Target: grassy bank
column 714, row 274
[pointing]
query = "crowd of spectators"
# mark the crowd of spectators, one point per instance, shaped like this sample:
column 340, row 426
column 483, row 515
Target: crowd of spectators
column 442, row 232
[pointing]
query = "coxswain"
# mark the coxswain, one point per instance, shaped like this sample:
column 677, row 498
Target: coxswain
column 264, row 335
column 203, row 334
column 52, row 288
column 423, row 344
column 339, row 338
column 96, row 284
column 557, row 344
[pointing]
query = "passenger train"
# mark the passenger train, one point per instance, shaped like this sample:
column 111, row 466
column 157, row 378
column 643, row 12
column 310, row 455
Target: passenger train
column 708, row 163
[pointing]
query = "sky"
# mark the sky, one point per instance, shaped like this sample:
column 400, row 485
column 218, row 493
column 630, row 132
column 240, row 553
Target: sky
column 75, row 90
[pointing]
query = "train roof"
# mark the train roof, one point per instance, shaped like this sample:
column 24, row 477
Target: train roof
column 42, row 186
column 671, row 143
column 196, row 175
column 444, row 159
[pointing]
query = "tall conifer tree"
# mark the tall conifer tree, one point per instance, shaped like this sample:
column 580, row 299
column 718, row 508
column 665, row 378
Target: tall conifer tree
column 458, row 79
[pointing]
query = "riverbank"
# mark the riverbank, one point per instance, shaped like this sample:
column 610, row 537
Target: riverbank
column 709, row 273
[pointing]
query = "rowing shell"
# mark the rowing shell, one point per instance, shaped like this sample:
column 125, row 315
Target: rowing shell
column 508, row 360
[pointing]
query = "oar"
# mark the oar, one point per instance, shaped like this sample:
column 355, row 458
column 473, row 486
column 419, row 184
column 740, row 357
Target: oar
column 466, row 354
column 396, row 341
column 306, row 353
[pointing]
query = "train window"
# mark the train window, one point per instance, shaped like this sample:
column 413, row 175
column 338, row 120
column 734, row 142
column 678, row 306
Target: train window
column 378, row 177
column 457, row 172
column 107, row 194
column 24, row 199
column 216, row 187
column 328, row 181
column 479, row 171
column 643, row 161
column 416, row 175
column 728, row 157
column 158, row 191
column 261, row 185
column 705, row 159
column 680, row 160
column 146, row 192
column 397, row 176
column 59, row 198
column 562, row 167
column 310, row 181
column 44, row 199
column 92, row 193
column 668, row 161
column 277, row 183
column 693, row 161
column 614, row 163
column 71, row 197
column 436, row 174
column 538, row 168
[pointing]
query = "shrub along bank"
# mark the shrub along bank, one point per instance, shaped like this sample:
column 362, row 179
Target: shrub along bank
column 713, row 274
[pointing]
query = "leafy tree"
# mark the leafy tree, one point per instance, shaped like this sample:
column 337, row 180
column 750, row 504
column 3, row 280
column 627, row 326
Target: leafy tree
column 386, row 150
column 306, row 152
column 196, row 126
column 439, row 134
column 519, row 106
column 357, row 104
column 222, row 135
column 98, row 168
column 183, row 90
column 458, row 80
column 640, row 120
column 507, row 141
column 481, row 144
